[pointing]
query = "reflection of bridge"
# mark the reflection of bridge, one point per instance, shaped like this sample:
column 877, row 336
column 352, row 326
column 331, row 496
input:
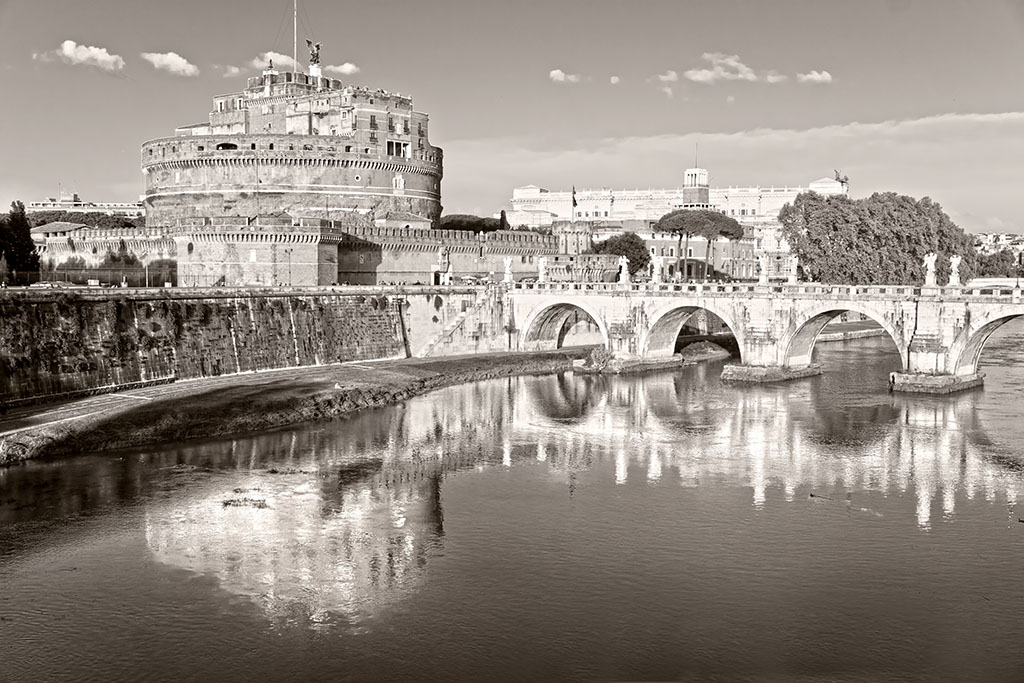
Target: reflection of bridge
column 938, row 331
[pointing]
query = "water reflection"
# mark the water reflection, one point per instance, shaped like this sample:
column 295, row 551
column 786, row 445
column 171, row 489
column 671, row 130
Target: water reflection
column 338, row 523
column 354, row 510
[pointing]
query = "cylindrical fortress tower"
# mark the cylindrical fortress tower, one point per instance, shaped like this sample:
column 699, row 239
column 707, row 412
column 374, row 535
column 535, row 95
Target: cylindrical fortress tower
column 296, row 143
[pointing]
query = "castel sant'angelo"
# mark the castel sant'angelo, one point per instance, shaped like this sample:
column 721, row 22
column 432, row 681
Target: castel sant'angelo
column 296, row 143
column 301, row 180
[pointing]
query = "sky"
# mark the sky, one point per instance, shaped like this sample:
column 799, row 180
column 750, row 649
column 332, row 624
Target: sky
column 924, row 98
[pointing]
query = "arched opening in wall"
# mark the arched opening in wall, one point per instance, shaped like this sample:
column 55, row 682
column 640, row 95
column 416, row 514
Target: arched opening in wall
column 563, row 326
column 226, row 145
column 692, row 331
column 848, row 341
column 1000, row 338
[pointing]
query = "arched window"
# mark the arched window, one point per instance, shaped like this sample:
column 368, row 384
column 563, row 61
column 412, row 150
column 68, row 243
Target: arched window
column 227, row 145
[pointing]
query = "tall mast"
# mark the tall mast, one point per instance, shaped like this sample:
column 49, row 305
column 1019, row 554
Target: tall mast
column 295, row 35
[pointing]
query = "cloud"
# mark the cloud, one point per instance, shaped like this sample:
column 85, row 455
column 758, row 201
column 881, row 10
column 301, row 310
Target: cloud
column 815, row 77
column 909, row 156
column 71, row 52
column 231, row 71
column 723, row 68
column 346, row 69
column 668, row 77
column 730, row 99
column 280, row 61
column 614, row 80
column 559, row 76
column 774, row 76
column 171, row 62
column 667, row 89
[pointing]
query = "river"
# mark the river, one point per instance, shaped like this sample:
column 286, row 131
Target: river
column 661, row 527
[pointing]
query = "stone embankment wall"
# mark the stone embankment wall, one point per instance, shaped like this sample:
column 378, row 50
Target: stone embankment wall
column 54, row 343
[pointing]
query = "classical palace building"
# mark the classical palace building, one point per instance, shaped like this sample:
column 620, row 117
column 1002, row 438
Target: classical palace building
column 298, row 143
column 588, row 215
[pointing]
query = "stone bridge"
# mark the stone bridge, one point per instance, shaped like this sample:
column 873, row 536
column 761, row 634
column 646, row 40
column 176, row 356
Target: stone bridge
column 938, row 331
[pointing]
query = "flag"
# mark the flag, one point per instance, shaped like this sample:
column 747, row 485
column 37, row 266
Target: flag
column 574, row 196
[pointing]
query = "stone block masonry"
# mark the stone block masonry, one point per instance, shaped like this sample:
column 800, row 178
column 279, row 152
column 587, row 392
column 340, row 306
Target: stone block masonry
column 58, row 343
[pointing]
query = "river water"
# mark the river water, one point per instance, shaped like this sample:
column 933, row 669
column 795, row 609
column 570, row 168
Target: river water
column 664, row 527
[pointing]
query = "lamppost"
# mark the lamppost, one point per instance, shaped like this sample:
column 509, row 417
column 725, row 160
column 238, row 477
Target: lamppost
column 289, row 252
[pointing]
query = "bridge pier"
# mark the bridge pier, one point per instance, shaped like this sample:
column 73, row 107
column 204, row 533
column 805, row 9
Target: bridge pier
column 767, row 373
column 922, row 383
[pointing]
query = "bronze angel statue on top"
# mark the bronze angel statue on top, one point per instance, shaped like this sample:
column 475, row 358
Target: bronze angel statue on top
column 314, row 51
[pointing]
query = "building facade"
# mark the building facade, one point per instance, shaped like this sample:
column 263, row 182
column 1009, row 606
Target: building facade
column 585, row 216
column 296, row 143
column 72, row 202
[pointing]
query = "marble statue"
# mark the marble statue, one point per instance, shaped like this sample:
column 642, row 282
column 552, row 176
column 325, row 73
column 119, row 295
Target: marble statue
column 762, row 276
column 623, row 270
column 929, row 265
column 954, row 271
column 508, row 269
column 542, row 269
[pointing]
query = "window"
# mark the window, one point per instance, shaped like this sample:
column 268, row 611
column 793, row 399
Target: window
column 201, row 148
column 348, row 148
column 419, row 129
column 252, row 146
column 373, row 121
column 391, row 124
column 220, row 105
column 271, row 145
column 227, row 145
column 405, row 126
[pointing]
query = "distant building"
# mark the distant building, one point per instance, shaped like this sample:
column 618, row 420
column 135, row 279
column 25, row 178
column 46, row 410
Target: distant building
column 755, row 208
column 72, row 202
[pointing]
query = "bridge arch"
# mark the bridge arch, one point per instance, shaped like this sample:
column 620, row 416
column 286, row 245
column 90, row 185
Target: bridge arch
column 797, row 349
column 965, row 352
column 545, row 327
column 659, row 337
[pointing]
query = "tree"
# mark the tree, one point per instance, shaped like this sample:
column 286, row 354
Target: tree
column 16, row 241
column 1002, row 263
column 467, row 222
column 698, row 223
column 881, row 239
column 628, row 245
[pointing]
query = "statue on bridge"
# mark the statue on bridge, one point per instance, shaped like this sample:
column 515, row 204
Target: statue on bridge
column 794, row 268
column 508, row 269
column 762, row 263
column 624, row 270
column 542, row 269
column 954, row 271
column 657, row 272
column 929, row 265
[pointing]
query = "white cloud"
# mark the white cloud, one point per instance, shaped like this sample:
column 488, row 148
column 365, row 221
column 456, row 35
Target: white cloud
column 559, row 76
column 71, row 52
column 171, row 62
column 280, row 61
column 723, row 68
column 614, row 80
column 668, row 77
column 908, row 156
column 231, row 71
column 815, row 77
column 667, row 89
column 346, row 69
column 730, row 99
column 774, row 76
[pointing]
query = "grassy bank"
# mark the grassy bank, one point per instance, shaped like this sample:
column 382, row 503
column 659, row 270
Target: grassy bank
column 248, row 403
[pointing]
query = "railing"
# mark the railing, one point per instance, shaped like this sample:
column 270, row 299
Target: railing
column 781, row 289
